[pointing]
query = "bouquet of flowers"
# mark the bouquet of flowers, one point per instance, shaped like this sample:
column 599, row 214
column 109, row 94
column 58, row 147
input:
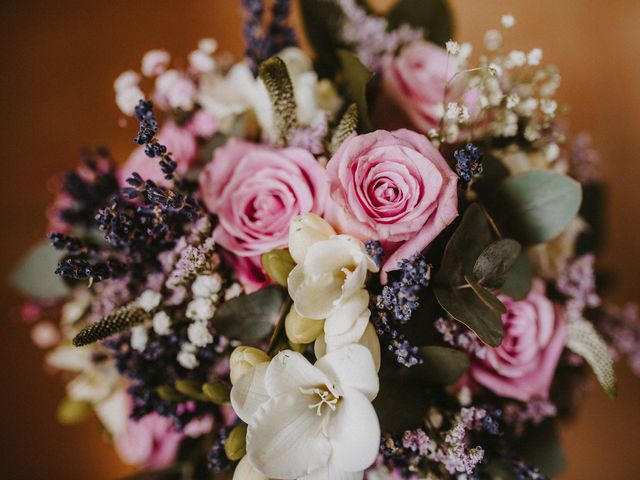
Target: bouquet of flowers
column 374, row 262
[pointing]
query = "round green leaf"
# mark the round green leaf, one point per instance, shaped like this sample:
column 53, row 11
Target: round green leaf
column 536, row 206
column 442, row 365
column 518, row 281
column 495, row 261
column 34, row 277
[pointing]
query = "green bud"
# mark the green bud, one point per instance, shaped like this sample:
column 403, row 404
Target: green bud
column 235, row 445
column 278, row 264
column 191, row 389
column 72, row 411
column 167, row 392
column 217, row 392
column 300, row 329
column 244, row 359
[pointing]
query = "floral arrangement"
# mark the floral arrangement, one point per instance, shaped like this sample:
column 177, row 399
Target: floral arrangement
column 376, row 263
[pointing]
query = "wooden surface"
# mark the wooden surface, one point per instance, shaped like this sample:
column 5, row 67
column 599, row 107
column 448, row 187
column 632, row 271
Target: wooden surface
column 58, row 63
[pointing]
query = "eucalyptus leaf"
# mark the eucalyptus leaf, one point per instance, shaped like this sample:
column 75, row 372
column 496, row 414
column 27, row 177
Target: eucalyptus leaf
column 251, row 318
column 518, row 281
column 356, row 77
column 322, row 20
column 467, row 308
column 401, row 403
column 465, row 246
column 540, row 446
column 485, row 296
column 434, row 16
column 536, row 206
column 442, row 365
column 495, row 261
column 34, row 276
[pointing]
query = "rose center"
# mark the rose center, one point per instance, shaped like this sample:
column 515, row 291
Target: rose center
column 321, row 397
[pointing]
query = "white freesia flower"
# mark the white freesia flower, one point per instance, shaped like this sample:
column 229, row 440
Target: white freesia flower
column 328, row 282
column 369, row 340
column 310, row 421
column 246, row 471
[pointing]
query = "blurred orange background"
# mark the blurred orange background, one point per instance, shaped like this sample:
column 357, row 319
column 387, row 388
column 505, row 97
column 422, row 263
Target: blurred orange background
column 59, row 60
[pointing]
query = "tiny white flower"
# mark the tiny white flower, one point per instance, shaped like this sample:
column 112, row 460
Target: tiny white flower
column 465, row 51
column 154, row 62
column 201, row 61
column 492, row 40
column 532, row 132
column 551, row 152
column 162, row 323
column 139, row 337
column 187, row 356
column 310, row 421
column 463, row 114
column 512, row 101
column 200, row 309
column 527, row 107
column 128, row 98
column 207, row 285
column 534, row 56
column 149, row 300
column 208, row 45
column 517, row 58
column 453, row 47
column 453, row 111
column 451, row 133
column 548, row 106
column 483, row 102
column 495, row 70
column 235, row 290
column 45, row 334
column 126, row 80
column 199, row 334
column 508, row 21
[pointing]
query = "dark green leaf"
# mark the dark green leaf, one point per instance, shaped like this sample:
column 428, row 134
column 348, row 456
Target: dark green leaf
column 518, row 282
column 541, row 447
column 465, row 246
column 495, row 261
column 356, row 77
column 322, row 20
column 466, row 307
column 442, row 365
column 485, row 296
column 251, row 318
column 34, row 276
column 400, row 405
column 536, row 206
column 434, row 16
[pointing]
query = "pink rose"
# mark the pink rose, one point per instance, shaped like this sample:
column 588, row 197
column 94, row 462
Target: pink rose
column 414, row 82
column 151, row 442
column 179, row 142
column 256, row 191
column 522, row 367
column 394, row 187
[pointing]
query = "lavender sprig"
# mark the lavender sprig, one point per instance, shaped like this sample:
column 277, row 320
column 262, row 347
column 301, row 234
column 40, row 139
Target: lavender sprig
column 147, row 136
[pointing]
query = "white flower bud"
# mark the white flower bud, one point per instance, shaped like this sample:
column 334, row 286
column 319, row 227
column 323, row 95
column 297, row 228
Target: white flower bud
column 243, row 359
column 139, row 338
column 187, row 356
column 199, row 334
column 161, row 323
column 201, row 309
column 149, row 300
column 207, row 285
column 305, row 230
column 300, row 329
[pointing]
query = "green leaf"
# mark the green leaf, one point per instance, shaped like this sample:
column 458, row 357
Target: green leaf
column 434, row 16
column 401, row 403
column 583, row 339
column 34, row 276
column 467, row 308
column 278, row 264
column 518, row 282
column 540, row 446
column 495, row 261
column 536, row 206
column 465, row 246
column 322, row 20
column 471, row 305
column 251, row 318
column 356, row 77
column 442, row 365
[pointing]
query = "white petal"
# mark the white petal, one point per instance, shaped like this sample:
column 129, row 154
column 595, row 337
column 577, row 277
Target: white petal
column 333, row 255
column 113, row 412
column 249, row 392
column 246, row 471
column 289, row 371
column 286, row 439
column 330, row 472
column 369, row 340
column 314, row 295
column 347, row 322
column 351, row 367
column 305, row 231
column 354, row 433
